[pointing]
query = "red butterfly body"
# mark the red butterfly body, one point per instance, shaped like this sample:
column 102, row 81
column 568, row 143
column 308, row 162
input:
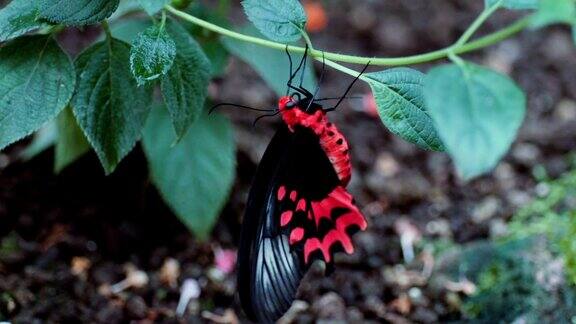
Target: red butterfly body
column 298, row 210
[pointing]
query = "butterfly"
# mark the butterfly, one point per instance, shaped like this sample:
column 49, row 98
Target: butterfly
column 298, row 209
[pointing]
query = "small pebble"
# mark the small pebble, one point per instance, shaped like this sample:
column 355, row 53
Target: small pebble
column 298, row 306
column 190, row 291
column 80, row 265
column 566, row 110
column 330, row 306
column 498, row 228
column 486, row 209
column 415, row 294
column 170, row 272
column 440, row 227
column 526, row 153
column 387, row 165
column 402, row 304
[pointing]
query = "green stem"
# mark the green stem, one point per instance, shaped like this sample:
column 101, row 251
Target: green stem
column 476, row 25
column 307, row 40
column 163, row 20
column 457, row 60
column 53, row 29
column 342, row 68
column 106, row 29
column 496, row 37
column 482, row 42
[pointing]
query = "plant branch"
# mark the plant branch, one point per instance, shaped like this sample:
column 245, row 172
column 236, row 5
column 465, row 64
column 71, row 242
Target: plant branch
column 163, row 20
column 307, row 39
column 486, row 13
column 482, row 42
column 497, row 36
column 106, row 29
column 344, row 69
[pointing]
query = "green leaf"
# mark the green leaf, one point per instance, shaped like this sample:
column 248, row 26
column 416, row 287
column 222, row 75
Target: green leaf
column 125, row 7
column 272, row 65
column 210, row 41
column 18, row 18
column 477, row 113
column 43, row 139
column 194, row 176
column 152, row 7
column 185, row 86
column 152, row 54
column 109, row 106
column 182, row 4
column 554, row 11
column 77, row 12
column 36, row 83
column 515, row 4
column 71, row 143
column 127, row 30
column 218, row 56
column 400, row 100
column 279, row 20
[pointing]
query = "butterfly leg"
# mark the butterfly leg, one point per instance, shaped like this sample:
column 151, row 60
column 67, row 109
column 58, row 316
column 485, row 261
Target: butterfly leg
column 348, row 89
column 305, row 59
column 293, row 74
column 302, row 69
column 319, row 82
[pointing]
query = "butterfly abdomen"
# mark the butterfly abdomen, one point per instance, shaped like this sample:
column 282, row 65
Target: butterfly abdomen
column 337, row 150
column 333, row 143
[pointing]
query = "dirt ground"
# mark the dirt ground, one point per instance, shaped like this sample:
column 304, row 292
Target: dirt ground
column 68, row 238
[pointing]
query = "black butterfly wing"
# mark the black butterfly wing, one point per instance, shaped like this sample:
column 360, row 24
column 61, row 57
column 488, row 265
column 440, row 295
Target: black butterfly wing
column 293, row 179
column 261, row 252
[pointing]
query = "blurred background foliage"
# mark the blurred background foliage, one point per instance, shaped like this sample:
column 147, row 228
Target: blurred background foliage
column 527, row 275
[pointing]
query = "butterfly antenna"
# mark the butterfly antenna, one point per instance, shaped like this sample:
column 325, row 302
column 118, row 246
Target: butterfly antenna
column 290, row 73
column 260, row 117
column 337, row 98
column 319, row 82
column 237, row 106
column 349, row 88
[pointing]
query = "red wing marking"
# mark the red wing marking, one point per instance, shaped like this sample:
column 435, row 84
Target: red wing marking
column 286, row 217
column 333, row 237
column 296, row 235
column 281, row 192
column 301, row 205
column 339, row 198
column 348, row 215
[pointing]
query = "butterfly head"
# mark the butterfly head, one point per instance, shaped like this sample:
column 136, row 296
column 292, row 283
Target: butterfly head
column 294, row 109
